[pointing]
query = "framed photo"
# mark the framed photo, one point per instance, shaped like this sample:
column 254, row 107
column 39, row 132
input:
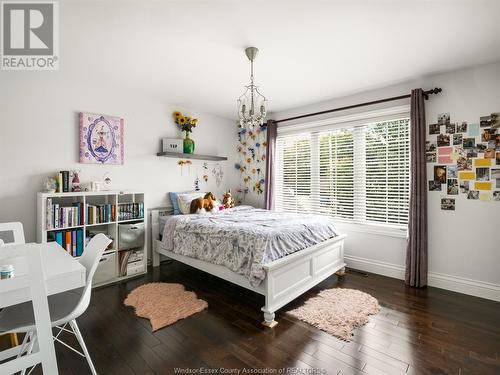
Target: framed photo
column 448, row 204
column 172, row 145
column 101, row 139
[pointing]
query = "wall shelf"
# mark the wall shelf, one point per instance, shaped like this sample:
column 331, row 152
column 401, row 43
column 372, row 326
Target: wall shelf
column 177, row 155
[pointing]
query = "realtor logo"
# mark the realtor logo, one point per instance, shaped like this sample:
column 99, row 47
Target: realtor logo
column 30, row 35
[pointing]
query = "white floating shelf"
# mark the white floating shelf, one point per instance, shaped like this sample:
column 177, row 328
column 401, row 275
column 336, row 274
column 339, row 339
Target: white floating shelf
column 178, row 155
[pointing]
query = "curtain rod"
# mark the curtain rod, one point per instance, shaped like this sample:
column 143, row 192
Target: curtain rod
column 436, row 90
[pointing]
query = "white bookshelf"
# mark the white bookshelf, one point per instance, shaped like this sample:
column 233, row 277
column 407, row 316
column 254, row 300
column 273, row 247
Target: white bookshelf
column 108, row 270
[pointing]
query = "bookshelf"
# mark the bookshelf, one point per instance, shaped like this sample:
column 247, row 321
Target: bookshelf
column 83, row 214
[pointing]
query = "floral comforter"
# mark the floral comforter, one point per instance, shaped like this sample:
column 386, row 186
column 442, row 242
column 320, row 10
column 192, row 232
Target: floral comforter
column 244, row 238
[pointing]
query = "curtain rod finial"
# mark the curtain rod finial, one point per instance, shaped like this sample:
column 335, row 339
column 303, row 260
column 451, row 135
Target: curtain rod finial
column 435, row 90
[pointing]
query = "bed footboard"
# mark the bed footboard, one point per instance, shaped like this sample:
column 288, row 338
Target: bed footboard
column 289, row 277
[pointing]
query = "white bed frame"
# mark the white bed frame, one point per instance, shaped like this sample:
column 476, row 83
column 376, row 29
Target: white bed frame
column 287, row 278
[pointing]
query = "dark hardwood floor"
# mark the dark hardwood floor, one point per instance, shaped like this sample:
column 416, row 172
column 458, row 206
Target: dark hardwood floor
column 429, row 331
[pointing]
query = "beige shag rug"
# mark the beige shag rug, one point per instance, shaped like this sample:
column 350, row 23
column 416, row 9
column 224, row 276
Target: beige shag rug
column 337, row 311
column 163, row 303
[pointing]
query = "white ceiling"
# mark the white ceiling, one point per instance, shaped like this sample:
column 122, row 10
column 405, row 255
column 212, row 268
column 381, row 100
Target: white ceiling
column 192, row 53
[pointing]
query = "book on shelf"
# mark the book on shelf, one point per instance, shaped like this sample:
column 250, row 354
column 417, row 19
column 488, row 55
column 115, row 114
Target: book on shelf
column 65, row 181
column 130, row 211
column 58, row 216
column 101, row 213
column 70, row 240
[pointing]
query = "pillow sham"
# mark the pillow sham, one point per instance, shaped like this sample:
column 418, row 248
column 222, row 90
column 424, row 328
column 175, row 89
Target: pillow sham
column 184, row 201
column 174, row 199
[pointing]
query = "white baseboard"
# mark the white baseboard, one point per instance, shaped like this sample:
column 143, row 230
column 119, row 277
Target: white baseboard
column 458, row 284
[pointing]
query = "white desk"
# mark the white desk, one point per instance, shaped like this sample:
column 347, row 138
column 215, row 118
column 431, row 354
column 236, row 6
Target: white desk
column 62, row 272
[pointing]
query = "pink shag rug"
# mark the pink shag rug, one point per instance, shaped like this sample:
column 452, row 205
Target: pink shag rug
column 163, row 303
column 337, row 311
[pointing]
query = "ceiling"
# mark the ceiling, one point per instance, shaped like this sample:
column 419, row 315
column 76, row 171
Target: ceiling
column 191, row 53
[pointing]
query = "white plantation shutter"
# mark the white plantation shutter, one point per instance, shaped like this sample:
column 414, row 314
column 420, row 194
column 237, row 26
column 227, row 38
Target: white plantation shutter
column 293, row 174
column 358, row 173
column 387, row 146
column 336, row 173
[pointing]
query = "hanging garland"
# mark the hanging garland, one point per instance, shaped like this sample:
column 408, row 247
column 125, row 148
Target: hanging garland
column 251, row 148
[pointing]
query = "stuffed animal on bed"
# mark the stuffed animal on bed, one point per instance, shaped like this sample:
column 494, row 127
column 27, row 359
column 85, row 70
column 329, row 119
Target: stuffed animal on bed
column 228, row 200
column 206, row 203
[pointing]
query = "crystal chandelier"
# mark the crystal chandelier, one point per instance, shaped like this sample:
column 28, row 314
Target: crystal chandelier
column 252, row 104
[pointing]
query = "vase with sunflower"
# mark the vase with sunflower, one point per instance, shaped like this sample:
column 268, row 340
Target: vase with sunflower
column 186, row 124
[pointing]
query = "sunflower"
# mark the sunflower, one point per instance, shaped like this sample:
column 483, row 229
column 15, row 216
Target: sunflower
column 181, row 120
column 177, row 114
column 194, row 121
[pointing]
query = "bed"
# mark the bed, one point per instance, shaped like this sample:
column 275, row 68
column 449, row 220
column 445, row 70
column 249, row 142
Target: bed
column 279, row 255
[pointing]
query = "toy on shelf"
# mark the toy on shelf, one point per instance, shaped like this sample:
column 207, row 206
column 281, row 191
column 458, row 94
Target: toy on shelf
column 75, row 182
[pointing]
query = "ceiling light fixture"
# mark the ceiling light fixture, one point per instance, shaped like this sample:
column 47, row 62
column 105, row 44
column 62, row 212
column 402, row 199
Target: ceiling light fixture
column 252, row 104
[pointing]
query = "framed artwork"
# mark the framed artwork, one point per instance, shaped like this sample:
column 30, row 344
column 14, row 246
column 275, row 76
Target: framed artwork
column 101, row 139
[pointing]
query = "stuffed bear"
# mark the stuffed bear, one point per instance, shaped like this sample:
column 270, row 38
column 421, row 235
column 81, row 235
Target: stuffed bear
column 207, row 203
column 228, row 200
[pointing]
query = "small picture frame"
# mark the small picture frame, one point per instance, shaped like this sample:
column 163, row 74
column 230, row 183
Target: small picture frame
column 172, row 145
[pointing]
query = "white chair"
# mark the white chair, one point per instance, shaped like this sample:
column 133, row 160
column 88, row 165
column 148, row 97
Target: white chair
column 12, row 233
column 34, row 281
column 64, row 307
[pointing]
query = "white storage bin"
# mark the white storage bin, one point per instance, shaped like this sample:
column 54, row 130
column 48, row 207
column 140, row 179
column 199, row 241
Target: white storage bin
column 106, row 270
column 130, row 236
column 135, row 268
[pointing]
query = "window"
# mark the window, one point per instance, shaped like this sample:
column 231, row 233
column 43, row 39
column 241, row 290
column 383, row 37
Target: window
column 358, row 173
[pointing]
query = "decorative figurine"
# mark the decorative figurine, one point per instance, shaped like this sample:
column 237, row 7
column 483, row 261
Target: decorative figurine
column 75, row 182
column 107, row 181
column 50, row 185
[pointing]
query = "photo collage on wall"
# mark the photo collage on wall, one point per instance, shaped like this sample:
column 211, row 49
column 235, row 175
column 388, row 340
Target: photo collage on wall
column 466, row 158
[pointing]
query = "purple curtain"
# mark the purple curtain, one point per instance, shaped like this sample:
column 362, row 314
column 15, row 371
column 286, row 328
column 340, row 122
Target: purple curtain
column 416, row 250
column 272, row 131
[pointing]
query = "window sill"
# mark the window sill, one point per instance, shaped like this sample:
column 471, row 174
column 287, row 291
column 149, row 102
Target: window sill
column 380, row 230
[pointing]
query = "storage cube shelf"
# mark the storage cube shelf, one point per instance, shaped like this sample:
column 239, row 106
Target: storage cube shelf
column 83, row 214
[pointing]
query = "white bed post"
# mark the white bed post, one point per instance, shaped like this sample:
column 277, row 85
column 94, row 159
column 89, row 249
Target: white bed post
column 155, row 233
column 341, row 272
column 267, row 309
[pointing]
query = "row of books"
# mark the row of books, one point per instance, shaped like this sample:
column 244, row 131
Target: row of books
column 102, row 213
column 63, row 217
column 62, row 182
column 130, row 211
column 71, row 240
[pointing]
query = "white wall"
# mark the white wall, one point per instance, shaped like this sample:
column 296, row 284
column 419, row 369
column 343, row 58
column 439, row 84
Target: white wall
column 104, row 69
column 464, row 250
column 39, row 136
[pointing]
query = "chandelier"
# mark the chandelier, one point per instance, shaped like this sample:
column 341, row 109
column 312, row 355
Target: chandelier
column 252, row 104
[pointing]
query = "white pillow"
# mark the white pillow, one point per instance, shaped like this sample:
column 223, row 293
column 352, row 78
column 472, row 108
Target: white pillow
column 186, row 199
